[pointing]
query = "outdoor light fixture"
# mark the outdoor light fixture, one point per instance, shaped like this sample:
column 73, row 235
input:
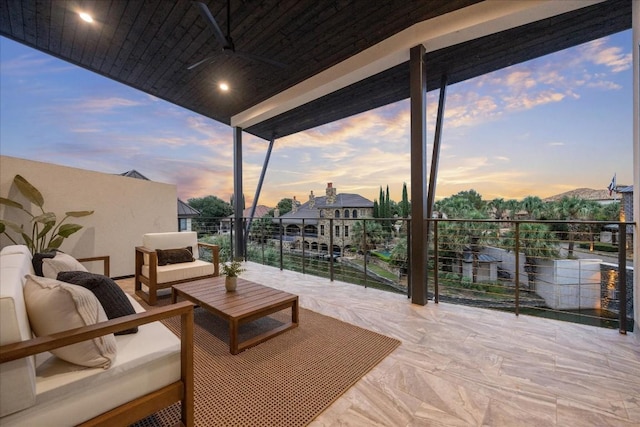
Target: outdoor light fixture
column 85, row 17
column 223, row 86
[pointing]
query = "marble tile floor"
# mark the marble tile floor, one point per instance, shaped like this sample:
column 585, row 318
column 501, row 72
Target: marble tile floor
column 464, row 366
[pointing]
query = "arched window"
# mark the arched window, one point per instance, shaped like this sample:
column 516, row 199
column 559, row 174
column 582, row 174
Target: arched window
column 337, row 213
column 355, row 213
column 346, row 213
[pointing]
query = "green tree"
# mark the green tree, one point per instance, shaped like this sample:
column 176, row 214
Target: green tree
column 387, row 207
column 572, row 209
column 499, row 207
column 460, row 205
column 400, row 255
column 536, row 242
column 533, row 206
column 285, row 205
column 404, row 208
column 212, row 209
column 366, row 241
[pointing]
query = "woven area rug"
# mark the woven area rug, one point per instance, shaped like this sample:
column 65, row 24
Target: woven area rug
column 286, row 381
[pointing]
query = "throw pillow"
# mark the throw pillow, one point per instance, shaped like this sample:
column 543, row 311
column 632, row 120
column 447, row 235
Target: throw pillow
column 111, row 296
column 55, row 306
column 37, row 260
column 174, row 256
column 61, row 262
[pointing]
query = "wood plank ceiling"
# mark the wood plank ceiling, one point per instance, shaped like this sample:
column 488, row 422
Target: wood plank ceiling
column 148, row 45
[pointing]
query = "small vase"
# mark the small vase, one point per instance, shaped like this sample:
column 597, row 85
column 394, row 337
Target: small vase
column 230, row 283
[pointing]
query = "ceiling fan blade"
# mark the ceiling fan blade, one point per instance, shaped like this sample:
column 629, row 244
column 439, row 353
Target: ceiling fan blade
column 206, row 14
column 197, row 64
column 259, row 58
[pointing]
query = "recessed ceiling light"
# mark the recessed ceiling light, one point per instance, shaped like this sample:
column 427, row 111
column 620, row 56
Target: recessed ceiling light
column 85, row 17
column 224, row 87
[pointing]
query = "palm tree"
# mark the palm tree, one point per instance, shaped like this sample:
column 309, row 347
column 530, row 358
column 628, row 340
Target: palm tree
column 399, row 255
column 499, row 207
column 536, row 242
column 533, row 205
column 477, row 235
column 369, row 240
column 572, row 208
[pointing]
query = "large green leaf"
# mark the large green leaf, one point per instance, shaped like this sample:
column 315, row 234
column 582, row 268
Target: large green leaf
column 46, row 218
column 48, row 226
column 55, row 243
column 12, row 225
column 28, row 190
column 67, row 230
column 78, row 214
column 11, row 203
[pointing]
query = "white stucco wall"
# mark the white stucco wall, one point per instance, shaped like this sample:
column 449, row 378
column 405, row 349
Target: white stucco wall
column 125, row 208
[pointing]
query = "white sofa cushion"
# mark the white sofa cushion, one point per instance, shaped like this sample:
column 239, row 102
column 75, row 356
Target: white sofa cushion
column 69, row 394
column 55, row 306
column 16, row 249
column 18, row 385
column 184, row 271
column 61, row 262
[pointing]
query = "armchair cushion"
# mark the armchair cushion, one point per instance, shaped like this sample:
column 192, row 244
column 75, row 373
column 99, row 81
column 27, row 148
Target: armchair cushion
column 55, row 306
column 61, row 262
column 175, row 256
column 112, row 298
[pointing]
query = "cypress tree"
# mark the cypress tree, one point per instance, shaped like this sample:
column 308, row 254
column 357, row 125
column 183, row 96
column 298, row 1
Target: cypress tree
column 404, row 207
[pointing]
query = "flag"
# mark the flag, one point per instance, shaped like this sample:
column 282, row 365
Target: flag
column 612, row 184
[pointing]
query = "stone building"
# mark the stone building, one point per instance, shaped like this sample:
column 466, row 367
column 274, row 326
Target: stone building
column 323, row 221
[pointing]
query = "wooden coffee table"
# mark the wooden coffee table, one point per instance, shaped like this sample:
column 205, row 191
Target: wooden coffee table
column 250, row 301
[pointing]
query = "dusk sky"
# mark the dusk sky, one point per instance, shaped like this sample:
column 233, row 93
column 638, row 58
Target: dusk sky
column 550, row 125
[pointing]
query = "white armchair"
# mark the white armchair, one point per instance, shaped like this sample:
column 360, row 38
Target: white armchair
column 156, row 277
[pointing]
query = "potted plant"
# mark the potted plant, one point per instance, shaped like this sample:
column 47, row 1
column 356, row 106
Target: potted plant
column 43, row 231
column 232, row 270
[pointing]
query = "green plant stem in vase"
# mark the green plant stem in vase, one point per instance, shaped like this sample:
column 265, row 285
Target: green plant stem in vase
column 232, row 270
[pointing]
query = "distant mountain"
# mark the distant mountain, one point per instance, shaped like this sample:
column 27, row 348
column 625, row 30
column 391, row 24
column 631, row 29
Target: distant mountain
column 583, row 193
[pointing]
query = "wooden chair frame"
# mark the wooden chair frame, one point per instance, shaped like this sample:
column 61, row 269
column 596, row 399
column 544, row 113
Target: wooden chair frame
column 152, row 281
column 179, row 391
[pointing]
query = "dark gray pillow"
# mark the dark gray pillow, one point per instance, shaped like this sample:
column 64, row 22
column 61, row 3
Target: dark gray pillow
column 111, row 296
column 174, row 256
column 37, row 260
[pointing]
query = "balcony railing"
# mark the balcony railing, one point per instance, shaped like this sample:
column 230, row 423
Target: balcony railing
column 569, row 270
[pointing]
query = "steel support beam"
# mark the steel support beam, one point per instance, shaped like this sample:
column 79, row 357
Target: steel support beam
column 238, row 229
column 636, row 160
column 433, row 179
column 259, row 188
column 418, row 249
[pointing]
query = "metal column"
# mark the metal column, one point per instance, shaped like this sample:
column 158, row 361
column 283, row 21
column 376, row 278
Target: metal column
column 237, row 193
column 418, row 90
column 433, row 179
column 259, row 188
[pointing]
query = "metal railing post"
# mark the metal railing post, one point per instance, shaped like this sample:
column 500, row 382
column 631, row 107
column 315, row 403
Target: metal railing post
column 281, row 247
column 408, row 258
column 366, row 249
column 622, row 278
column 436, row 289
column 330, row 249
column 517, row 251
column 302, row 243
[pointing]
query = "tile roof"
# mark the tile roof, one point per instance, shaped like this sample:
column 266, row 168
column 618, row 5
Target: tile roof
column 343, row 200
